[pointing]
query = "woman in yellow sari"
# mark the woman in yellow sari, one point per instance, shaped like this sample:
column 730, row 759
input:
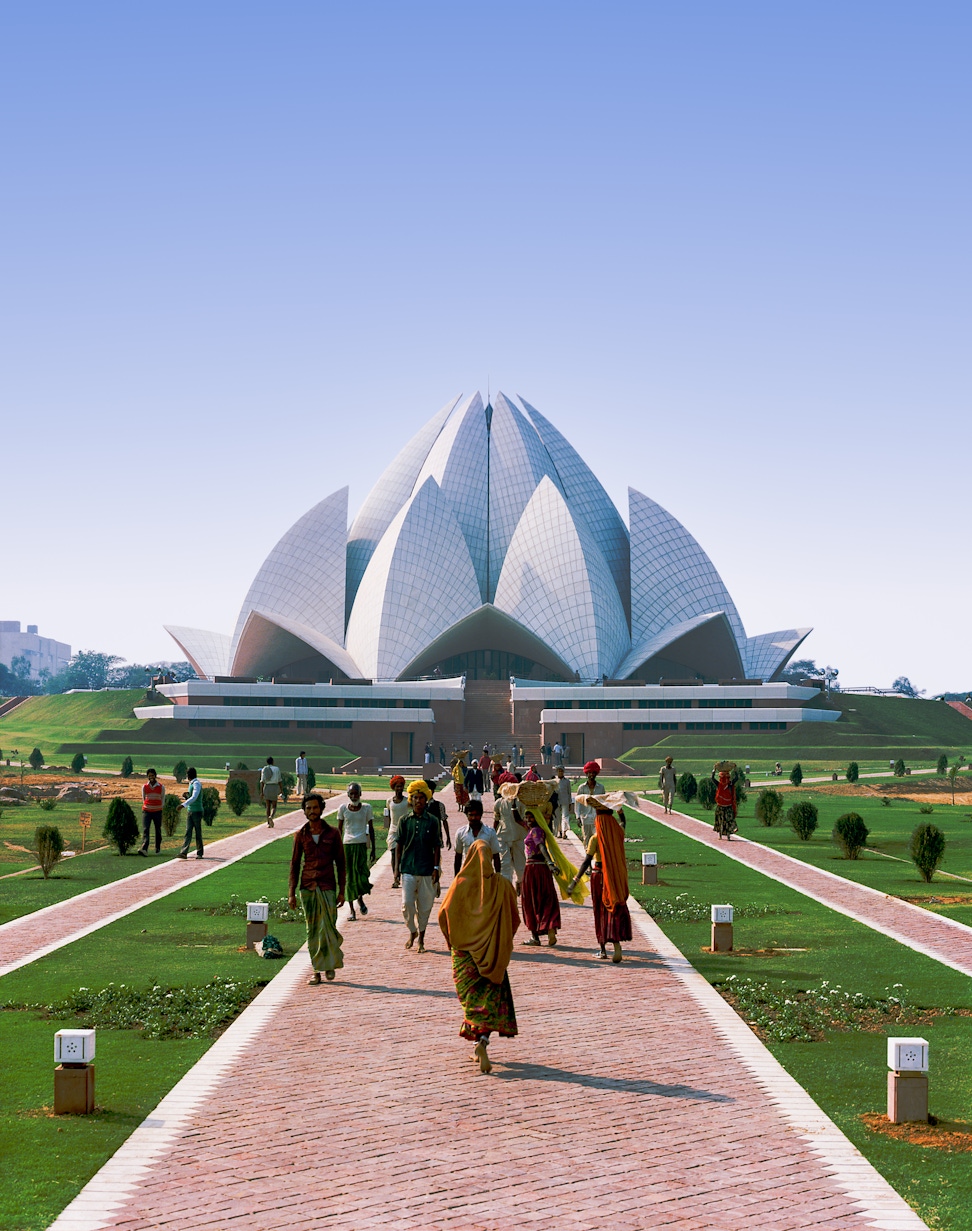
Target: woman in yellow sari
column 478, row 918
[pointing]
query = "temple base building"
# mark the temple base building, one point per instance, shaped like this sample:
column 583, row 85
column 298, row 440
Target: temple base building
column 488, row 590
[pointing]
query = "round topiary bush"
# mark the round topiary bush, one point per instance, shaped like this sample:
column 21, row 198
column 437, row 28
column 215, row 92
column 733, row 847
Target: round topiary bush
column 47, row 805
column 850, row 834
column 927, row 849
column 210, row 803
column 238, row 796
column 707, row 793
column 49, row 846
column 803, row 819
column 179, row 771
column 77, row 763
column 687, row 788
column 769, row 806
column 853, row 772
column 36, row 759
column 899, row 768
column 796, row 774
column 287, row 784
column 171, row 807
column 121, row 828
column 311, row 779
column 941, row 765
column 127, row 767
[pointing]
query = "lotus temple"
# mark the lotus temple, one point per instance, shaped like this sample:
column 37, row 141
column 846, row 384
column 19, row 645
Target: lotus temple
column 488, row 589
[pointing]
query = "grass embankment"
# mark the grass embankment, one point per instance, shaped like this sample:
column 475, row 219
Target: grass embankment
column 886, row 863
column 804, row 944
column 48, row 1159
column 19, row 895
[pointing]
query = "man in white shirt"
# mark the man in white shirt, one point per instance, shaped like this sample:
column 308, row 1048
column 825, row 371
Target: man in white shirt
column 475, row 831
column 585, row 813
column 397, row 808
column 667, row 781
column 300, row 769
column 270, row 788
column 565, row 801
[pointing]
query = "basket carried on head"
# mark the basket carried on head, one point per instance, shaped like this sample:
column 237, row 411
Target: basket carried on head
column 723, row 767
column 530, row 794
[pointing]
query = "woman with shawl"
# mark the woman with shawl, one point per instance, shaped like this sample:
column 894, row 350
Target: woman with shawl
column 538, row 897
column 459, row 784
column 609, row 875
column 478, row 918
column 725, row 812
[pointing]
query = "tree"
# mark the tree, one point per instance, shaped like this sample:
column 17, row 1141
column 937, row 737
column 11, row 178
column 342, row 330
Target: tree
column 941, row 765
column 796, row 774
column 238, row 796
column 769, row 806
column 707, row 793
column 127, row 767
column 210, row 803
column 121, row 828
column 171, row 808
column 899, row 768
column 179, row 771
column 311, row 778
column 287, row 784
column 49, row 846
column 853, row 772
column 927, row 849
column 77, row 763
column 952, row 775
column 800, row 669
column 36, row 759
column 903, row 685
column 687, row 787
column 803, row 819
column 738, row 780
column 850, row 833
column 89, row 669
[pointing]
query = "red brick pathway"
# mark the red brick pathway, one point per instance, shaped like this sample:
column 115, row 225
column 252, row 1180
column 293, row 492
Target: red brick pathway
column 35, row 935
column 936, row 936
column 355, row 1105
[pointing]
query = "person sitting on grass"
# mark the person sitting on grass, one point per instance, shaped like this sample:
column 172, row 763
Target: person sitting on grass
column 317, row 867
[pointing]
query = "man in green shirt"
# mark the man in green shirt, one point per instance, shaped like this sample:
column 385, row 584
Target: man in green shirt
column 419, row 850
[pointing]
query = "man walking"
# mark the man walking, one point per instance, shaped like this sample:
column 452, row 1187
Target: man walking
column 666, row 780
column 396, row 808
column 194, row 815
column 585, row 813
column 558, row 754
column 300, row 772
column 270, row 788
column 511, row 829
column 419, row 862
column 153, row 794
column 317, row 866
column 475, row 831
column 565, row 803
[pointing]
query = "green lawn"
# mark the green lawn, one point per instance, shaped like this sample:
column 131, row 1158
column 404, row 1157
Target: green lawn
column 846, row 1072
column 891, row 828
column 159, row 944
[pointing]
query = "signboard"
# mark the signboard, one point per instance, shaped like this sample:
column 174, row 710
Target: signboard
column 84, row 820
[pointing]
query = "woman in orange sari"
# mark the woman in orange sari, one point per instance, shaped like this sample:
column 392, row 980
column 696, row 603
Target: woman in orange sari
column 609, row 876
column 478, row 918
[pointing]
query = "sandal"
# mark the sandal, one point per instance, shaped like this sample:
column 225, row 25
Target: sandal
column 314, row 979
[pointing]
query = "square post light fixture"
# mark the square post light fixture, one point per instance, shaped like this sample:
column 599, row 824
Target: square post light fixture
column 649, row 868
column 722, row 928
column 907, row 1080
column 74, row 1050
column 257, row 914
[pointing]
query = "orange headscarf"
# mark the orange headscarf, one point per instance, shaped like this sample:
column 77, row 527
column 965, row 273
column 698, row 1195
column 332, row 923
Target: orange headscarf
column 610, row 845
column 479, row 914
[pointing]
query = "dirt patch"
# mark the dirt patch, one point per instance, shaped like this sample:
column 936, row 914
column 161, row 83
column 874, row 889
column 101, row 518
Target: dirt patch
column 955, row 899
column 737, row 952
column 932, row 791
column 953, row 1136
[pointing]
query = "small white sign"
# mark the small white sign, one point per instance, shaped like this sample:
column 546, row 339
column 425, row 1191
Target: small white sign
column 74, row 1046
column 257, row 912
column 908, row 1055
column 649, row 859
column 722, row 914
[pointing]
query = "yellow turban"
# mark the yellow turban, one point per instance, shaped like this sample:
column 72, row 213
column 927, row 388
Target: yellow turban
column 421, row 786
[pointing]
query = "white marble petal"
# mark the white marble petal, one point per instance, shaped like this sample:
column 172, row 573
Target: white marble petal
column 208, row 652
column 768, row 653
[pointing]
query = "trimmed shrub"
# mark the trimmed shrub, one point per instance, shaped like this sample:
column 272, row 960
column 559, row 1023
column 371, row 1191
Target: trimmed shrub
column 47, row 805
column 796, row 774
column 707, row 793
column 941, row 765
column 179, row 771
column 171, row 808
column 850, row 834
column 121, row 827
column 687, row 788
column 36, row 759
column 769, row 806
column 738, row 780
column 927, row 849
column 77, row 763
column 238, row 796
column 49, row 846
column 311, row 779
column 287, row 784
column 803, row 819
column 926, row 809
column 210, row 803
column 853, row 772
column 242, row 765
column 127, row 768
column 899, row 768
column 885, row 801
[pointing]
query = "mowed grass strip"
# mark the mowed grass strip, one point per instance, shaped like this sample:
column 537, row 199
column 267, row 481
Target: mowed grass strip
column 48, row 1159
column 805, row 944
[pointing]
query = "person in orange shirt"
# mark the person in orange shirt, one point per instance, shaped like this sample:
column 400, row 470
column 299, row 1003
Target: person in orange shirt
column 153, row 795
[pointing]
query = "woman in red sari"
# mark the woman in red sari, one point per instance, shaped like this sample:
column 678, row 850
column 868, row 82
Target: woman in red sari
column 725, row 812
column 609, row 876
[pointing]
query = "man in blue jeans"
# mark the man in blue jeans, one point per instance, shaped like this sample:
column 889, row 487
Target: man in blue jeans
column 194, row 815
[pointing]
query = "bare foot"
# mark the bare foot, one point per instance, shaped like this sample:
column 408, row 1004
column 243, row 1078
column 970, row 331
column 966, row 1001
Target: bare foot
column 483, row 1058
column 617, row 952
column 421, row 946
column 551, row 938
column 411, row 940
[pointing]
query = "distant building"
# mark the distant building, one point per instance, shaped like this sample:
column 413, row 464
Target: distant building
column 43, row 653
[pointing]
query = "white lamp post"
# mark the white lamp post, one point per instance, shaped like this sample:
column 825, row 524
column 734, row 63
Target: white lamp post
column 722, row 928
column 74, row 1051
column 907, row 1080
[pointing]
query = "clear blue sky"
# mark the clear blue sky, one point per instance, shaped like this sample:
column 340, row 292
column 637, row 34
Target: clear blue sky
column 247, row 249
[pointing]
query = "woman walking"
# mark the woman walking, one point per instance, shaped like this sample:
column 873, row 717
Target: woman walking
column 357, row 828
column 725, row 812
column 541, row 906
column 478, row 918
column 609, row 874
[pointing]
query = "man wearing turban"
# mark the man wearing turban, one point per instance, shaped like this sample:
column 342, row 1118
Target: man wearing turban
column 585, row 813
column 419, row 848
column 396, row 807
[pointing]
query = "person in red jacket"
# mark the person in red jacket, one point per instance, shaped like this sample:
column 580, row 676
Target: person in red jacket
column 153, row 795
